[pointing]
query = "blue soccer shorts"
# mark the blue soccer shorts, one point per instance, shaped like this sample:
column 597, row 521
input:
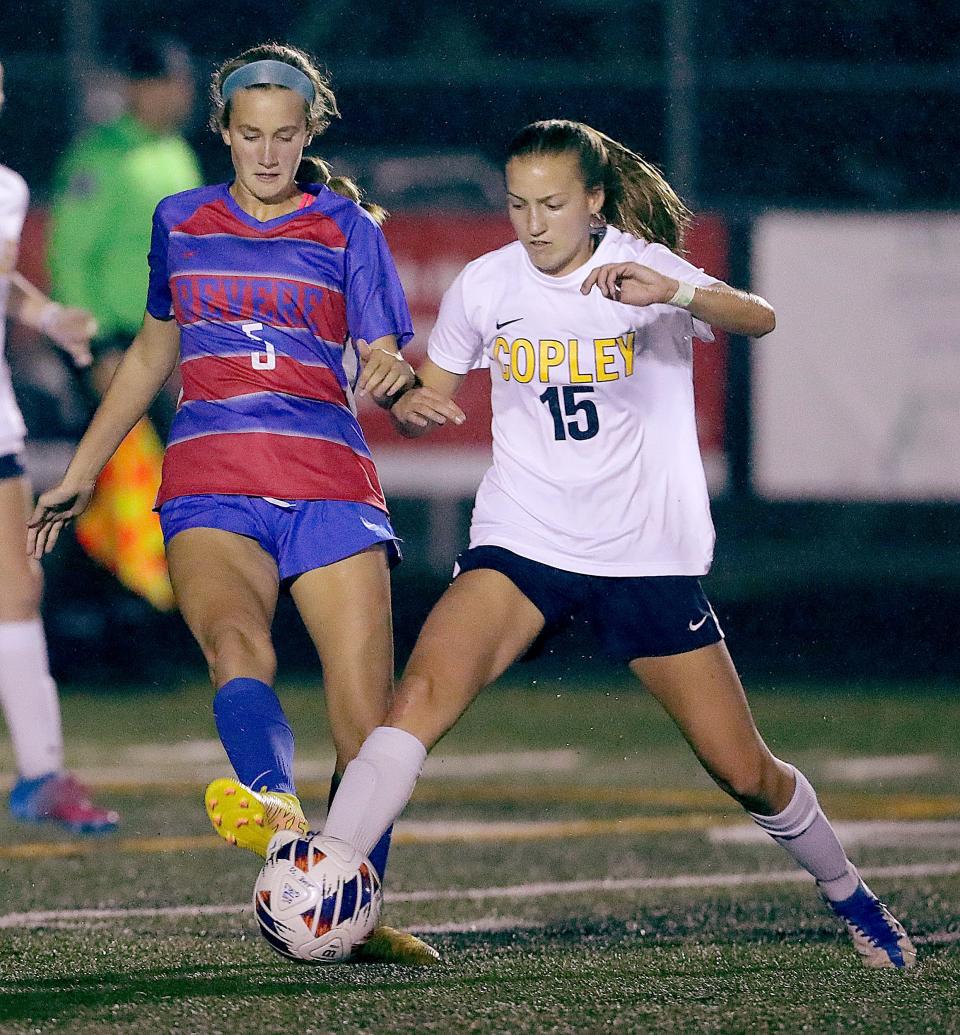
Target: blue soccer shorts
column 300, row 535
column 650, row 616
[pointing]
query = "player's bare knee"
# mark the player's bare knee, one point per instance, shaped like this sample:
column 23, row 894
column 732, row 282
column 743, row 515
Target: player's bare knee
column 415, row 692
column 756, row 785
column 747, row 782
column 422, row 706
column 348, row 738
column 234, row 648
column 20, row 593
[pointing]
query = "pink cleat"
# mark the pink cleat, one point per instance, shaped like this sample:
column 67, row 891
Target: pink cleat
column 60, row 798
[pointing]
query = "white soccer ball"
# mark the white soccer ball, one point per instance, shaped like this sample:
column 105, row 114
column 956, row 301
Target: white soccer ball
column 316, row 899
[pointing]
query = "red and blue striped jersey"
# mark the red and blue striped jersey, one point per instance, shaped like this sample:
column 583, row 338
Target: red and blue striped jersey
column 268, row 315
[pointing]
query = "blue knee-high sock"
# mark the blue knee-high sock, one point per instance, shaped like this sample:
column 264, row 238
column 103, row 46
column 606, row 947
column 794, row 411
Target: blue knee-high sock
column 255, row 734
column 380, row 851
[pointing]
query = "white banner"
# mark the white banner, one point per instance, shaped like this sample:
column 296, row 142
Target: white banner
column 856, row 395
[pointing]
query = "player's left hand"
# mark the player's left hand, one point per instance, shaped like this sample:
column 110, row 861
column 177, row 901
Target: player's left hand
column 54, row 510
column 72, row 330
column 384, row 373
column 630, row 283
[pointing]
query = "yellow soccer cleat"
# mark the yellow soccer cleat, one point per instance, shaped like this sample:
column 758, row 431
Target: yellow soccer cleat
column 388, row 945
column 249, row 818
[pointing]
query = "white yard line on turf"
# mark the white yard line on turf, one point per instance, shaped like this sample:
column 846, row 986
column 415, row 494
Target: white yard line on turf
column 495, row 924
column 200, row 761
column 564, row 760
column 861, row 832
column 878, row 767
column 516, row 891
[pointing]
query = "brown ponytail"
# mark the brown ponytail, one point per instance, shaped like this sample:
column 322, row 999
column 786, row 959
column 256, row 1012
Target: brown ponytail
column 315, row 170
column 637, row 198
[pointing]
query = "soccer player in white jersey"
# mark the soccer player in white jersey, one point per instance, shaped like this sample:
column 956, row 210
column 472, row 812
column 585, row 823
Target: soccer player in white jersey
column 596, row 503
column 43, row 792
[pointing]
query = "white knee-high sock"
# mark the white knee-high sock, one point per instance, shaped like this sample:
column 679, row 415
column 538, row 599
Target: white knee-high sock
column 29, row 699
column 376, row 787
column 805, row 832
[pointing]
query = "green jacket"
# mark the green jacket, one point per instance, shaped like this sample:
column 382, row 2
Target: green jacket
column 106, row 189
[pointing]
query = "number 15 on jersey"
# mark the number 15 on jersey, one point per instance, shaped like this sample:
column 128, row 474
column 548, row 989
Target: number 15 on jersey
column 585, row 421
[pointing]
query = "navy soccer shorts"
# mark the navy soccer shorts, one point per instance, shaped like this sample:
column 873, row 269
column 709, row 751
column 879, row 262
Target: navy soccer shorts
column 10, row 467
column 636, row 617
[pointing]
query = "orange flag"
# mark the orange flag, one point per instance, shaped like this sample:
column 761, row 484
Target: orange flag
column 120, row 529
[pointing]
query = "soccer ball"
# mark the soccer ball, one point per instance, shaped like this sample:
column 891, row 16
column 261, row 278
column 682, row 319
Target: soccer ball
column 316, row 899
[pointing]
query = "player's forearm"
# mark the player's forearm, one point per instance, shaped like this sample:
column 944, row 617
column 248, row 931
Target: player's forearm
column 429, row 403
column 737, row 312
column 29, row 305
column 139, row 377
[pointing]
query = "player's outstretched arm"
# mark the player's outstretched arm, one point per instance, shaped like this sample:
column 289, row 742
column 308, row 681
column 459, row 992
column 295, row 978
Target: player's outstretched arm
column 430, row 404
column 142, row 372
column 69, row 327
column 720, row 305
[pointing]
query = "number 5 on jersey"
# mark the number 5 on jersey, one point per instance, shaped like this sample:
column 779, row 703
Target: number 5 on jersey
column 265, row 360
column 572, row 407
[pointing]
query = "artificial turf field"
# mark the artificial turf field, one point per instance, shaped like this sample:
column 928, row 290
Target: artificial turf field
column 564, row 852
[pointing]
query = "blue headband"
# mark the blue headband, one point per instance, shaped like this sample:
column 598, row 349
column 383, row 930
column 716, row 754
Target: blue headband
column 273, row 73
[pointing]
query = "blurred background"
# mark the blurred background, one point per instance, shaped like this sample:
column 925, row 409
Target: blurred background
column 816, row 142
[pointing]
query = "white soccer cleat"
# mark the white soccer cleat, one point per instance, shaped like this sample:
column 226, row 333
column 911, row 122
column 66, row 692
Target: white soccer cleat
column 878, row 936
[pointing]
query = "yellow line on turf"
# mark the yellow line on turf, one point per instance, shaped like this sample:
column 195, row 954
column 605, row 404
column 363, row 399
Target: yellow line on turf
column 96, row 845
column 553, row 830
column 846, row 804
column 429, row 832
column 435, row 834
column 853, row 804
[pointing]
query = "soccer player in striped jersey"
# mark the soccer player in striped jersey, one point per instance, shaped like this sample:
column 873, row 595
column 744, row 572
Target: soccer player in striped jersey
column 596, row 504
column 43, row 791
column 281, row 301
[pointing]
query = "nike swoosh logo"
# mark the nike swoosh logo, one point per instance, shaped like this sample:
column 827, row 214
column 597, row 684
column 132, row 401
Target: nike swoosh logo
column 693, row 628
column 505, row 323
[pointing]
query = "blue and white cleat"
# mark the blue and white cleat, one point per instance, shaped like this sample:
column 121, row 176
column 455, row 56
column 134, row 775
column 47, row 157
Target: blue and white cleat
column 60, row 798
column 878, row 936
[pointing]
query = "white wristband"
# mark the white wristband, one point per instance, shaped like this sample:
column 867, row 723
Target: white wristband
column 683, row 296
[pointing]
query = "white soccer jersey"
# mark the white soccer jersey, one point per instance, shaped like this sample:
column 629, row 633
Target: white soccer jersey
column 14, row 198
column 596, row 464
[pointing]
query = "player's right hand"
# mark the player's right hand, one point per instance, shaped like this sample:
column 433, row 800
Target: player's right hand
column 54, row 509
column 421, row 408
column 72, row 330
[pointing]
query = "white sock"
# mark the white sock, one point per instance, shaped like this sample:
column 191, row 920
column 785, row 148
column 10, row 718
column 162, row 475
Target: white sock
column 805, row 832
column 29, row 699
column 376, row 787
